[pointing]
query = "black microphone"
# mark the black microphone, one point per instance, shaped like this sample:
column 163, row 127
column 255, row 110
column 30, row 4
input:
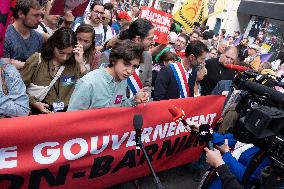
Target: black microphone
column 206, row 134
column 262, row 90
column 137, row 123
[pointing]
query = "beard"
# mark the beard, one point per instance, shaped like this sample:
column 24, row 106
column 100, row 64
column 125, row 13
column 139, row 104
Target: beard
column 30, row 27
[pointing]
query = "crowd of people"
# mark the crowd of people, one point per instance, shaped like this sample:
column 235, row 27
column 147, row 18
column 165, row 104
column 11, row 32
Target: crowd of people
column 56, row 63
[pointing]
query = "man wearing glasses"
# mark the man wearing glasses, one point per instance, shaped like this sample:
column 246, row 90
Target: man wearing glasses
column 95, row 19
column 216, row 70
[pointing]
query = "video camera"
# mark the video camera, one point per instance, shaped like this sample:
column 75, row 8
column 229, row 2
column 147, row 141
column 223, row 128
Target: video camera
column 261, row 114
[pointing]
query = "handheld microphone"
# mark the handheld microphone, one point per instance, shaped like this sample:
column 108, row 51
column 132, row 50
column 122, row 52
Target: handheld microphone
column 179, row 116
column 206, row 134
column 236, row 67
column 137, row 123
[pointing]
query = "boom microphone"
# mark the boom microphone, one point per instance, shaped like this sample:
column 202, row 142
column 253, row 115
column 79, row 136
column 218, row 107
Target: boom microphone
column 236, row 67
column 137, row 123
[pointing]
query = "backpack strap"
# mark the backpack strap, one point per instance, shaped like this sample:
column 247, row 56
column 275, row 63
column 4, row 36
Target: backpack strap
column 43, row 27
column 105, row 31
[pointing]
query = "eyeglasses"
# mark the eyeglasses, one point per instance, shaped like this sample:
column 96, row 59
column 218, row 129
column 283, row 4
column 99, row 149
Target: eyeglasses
column 68, row 22
column 105, row 18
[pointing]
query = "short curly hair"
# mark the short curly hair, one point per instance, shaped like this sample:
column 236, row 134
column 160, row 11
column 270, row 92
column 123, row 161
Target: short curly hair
column 25, row 6
column 126, row 50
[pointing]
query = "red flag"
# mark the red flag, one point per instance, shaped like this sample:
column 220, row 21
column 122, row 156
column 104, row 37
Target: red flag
column 78, row 7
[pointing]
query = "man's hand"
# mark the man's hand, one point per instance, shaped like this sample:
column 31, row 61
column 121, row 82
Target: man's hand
column 213, row 158
column 224, row 148
column 142, row 96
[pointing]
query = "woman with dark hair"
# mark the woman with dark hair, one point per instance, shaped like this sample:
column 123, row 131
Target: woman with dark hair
column 85, row 35
column 50, row 75
column 110, row 80
column 165, row 59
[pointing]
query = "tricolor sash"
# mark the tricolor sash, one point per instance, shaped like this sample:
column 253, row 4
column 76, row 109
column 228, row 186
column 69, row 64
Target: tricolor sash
column 134, row 82
column 179, row 73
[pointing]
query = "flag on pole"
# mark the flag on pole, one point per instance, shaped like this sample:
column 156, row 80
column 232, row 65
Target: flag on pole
column 216, row 6
column 265, row 57
column 192, row 11
column 238, row 40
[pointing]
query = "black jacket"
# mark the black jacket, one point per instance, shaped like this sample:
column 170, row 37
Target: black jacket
column 215, row 73
column 228, row 180
column 166, row 86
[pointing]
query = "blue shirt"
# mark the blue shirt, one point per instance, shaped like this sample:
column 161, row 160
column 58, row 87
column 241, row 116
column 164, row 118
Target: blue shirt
column 18, row 48
column 16, row 103
column 99, row 89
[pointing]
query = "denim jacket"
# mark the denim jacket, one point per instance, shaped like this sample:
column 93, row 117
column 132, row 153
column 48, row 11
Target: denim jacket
column 16, row 102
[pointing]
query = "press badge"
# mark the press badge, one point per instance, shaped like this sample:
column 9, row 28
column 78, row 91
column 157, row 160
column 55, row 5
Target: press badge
column 68, row 80
column 58, row 106
column 118, row 99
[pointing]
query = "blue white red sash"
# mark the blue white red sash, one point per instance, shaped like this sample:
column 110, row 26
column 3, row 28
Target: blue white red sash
column 134, row 82
column 179, row 73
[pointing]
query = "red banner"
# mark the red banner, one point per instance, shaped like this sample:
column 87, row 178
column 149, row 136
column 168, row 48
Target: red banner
column 161, row 20
column 96, row 148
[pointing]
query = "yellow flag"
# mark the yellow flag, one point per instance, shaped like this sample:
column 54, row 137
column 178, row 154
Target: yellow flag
column 192, row 11
column 218, row 7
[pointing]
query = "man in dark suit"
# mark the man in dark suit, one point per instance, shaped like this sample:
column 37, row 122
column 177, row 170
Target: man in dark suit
column 166, row 86
column 216, row 70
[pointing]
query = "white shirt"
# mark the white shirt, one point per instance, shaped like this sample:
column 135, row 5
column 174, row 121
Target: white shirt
column 40, row 29
column 109, row 34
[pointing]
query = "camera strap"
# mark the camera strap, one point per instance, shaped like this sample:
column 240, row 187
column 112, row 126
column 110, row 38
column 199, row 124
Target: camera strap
column 253, row 165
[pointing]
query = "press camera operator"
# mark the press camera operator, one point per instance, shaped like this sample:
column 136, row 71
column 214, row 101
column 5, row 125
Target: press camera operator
column 260, row 126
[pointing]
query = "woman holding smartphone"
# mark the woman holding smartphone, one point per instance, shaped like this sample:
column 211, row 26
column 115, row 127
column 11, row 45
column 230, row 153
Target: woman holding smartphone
column 61, row 58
